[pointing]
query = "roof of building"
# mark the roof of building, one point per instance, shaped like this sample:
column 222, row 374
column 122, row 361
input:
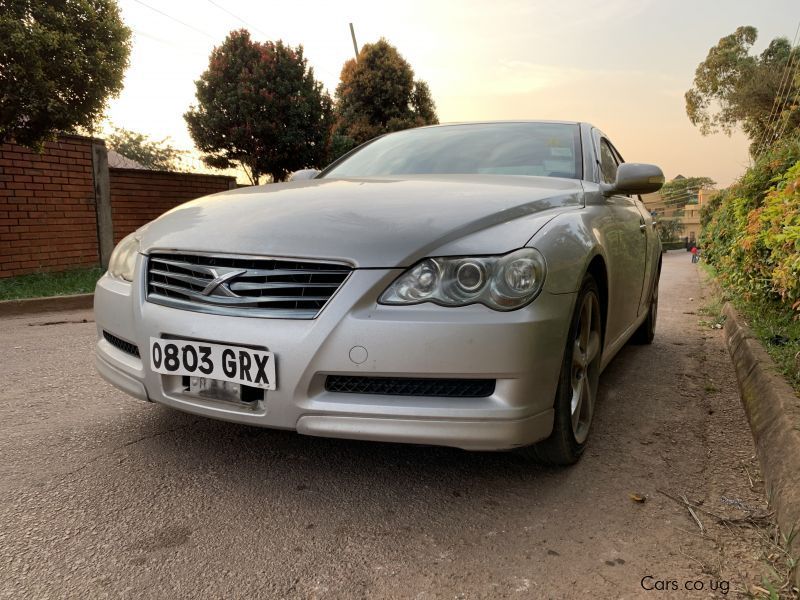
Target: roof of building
column 118, row 161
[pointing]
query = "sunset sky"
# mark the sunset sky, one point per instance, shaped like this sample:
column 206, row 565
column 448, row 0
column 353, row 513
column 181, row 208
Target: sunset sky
column 623, row 65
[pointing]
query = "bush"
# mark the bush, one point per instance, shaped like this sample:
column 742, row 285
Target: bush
column 673, row 245
column 775, row 227
column 751, row 231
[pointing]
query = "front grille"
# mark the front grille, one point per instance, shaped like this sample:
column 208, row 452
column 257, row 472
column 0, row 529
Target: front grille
column 120, row 344
column 407, row 386
column 244, row 286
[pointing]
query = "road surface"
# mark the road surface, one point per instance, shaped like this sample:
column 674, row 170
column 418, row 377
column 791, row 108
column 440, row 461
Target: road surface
column 105, row 496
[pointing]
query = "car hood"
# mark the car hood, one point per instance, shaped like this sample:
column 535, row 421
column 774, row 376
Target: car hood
column 378, row 223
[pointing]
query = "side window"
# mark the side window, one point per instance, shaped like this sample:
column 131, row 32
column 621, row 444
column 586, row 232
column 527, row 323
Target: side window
column 608, row 163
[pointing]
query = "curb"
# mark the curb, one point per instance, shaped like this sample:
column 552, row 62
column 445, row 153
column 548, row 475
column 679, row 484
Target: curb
column 13, row 308
column 773, row 411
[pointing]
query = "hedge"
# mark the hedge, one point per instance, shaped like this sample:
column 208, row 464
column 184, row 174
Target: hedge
column 751, row 231
column 677, row 245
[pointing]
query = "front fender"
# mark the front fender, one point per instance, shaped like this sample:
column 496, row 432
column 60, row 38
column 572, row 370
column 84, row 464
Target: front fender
column 568, row 243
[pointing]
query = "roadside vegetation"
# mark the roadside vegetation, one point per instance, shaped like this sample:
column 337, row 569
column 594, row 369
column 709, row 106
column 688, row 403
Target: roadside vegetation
column 751, row 242
column 35, row 285
column 776, row 326
column 750, row 235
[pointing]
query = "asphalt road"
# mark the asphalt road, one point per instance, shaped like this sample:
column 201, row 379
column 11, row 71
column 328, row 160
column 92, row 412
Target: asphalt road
column 105, row 496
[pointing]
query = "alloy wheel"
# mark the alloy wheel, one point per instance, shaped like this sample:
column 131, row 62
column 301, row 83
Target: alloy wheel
column 585, row 367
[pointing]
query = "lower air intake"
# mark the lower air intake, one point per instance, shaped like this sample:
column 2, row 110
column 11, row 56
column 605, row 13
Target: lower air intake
column 408, row 386
column 121, row 344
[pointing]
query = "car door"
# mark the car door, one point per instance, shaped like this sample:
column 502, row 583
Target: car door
column 626, row 248
column 651, row 254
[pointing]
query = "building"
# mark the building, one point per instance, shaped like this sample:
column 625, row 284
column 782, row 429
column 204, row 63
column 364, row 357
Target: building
column 684, row 206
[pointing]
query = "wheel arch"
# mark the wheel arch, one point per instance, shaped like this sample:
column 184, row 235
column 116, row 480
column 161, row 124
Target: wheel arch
column 597, row 269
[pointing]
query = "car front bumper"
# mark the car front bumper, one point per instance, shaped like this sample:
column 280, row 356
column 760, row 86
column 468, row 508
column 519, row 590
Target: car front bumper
column 522, row 350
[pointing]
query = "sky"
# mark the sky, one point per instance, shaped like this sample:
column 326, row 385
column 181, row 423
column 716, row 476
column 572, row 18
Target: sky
column 623, row 65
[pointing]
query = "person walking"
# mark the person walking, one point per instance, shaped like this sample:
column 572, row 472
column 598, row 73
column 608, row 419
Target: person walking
column 694, row 254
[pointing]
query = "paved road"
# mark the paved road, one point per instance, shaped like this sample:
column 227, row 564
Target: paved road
column 105, row 496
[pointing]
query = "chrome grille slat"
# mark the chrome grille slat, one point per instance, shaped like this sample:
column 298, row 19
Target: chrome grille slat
column 205, row 299
column 269, row 313
column 243, row 285
column 279, row 272
column 184, row 265
column 256, row 272
column 240, row 286
column 242, row 301
column 180, row 277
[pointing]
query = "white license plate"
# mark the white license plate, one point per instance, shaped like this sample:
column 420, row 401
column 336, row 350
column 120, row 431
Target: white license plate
column 245, row 366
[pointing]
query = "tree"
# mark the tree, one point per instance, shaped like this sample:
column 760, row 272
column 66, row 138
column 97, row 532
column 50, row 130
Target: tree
column 157, row 155
column 377, row 94
column 668, row 229
column 759, row 93
column 684, row 190
column 59, row 63
column 259, row 106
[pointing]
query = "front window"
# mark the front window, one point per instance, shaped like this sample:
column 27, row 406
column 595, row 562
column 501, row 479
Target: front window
column 608, row 163
column 543, row 149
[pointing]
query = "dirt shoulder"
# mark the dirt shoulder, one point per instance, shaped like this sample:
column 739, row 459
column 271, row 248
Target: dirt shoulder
column 773, row 410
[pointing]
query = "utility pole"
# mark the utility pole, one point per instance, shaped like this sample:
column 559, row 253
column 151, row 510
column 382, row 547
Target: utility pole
column 355, row 45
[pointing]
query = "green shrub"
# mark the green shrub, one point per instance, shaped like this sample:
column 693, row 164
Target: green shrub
column 776, row 228
column 673, row 245
column 751, row 231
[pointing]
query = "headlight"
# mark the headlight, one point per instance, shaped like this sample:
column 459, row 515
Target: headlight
column 503, row 282
column 123, row 258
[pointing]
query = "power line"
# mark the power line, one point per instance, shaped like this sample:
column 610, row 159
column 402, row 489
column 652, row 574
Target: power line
column 225, row 10
column 166, row 43
column 161, row 12
column 776, row 101
column 796, row 98
column 693, row 188
column 771, row 125
column 680, row 193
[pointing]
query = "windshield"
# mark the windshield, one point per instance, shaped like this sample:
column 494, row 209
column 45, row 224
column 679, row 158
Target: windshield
column 544, row 149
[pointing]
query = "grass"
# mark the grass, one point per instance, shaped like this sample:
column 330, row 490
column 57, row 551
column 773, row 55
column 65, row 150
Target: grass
column 778, row 582
column 776, row 326
column 37, row 285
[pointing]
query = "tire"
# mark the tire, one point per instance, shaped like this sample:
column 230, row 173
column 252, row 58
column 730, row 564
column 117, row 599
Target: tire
column 577, row 383
column 647, row 330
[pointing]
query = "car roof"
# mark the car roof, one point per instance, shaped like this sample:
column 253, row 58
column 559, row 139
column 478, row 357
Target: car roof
column 498, row 122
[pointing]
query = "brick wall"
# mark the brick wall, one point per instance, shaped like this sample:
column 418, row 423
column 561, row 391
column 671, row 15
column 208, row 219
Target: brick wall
column 47, row 212
column 48, row 217
column 138, row 196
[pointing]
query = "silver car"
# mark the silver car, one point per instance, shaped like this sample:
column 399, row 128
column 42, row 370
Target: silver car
column 459, row 285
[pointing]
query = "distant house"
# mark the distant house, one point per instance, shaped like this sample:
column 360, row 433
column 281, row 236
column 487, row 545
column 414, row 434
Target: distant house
column 118, row 161
column 685, row 208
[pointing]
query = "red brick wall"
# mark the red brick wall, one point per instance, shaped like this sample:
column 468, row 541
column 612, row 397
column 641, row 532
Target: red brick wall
column 47, row 213
column 48, row 219
column 138, row 197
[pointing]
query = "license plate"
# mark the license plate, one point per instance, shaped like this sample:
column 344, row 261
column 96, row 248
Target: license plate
column 235, row 364
column 216, row 389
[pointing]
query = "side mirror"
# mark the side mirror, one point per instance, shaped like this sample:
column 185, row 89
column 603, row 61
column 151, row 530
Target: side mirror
column 304, row 174
column 635, row 178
